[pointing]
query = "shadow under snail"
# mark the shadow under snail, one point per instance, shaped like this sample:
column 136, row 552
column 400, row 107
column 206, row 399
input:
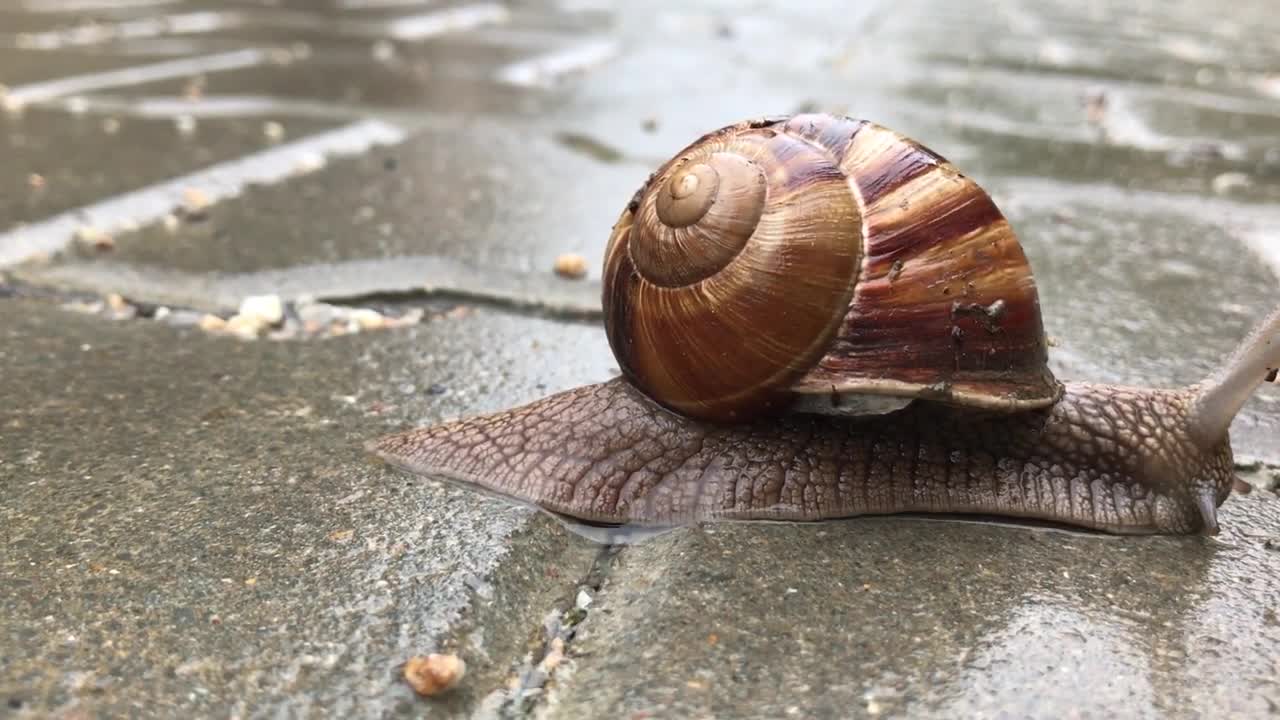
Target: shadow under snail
column 816, row 317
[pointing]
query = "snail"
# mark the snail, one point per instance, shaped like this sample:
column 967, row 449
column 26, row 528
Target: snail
column 816, row 317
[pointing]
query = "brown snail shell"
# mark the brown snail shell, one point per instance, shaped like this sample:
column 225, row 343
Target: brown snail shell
column 809, row 263
column 776, row 262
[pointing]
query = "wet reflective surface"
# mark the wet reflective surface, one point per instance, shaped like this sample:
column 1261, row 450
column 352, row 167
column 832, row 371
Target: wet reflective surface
column 934, row 619
column 148, row 473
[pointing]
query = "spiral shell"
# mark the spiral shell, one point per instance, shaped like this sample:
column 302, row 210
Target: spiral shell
column 820, row 258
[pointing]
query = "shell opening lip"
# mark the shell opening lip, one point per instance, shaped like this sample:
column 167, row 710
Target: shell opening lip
column 993, row 394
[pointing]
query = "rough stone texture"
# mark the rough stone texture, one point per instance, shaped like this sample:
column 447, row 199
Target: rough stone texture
column 1132, row 148
column 919, row 618
column 191, row 526
column 80, row 162
column 494, row 199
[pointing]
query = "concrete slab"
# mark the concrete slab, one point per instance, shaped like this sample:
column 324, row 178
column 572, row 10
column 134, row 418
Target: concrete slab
column 19, row 66
column 473, row 190
column 190, row 525
column 932, row 619
column 1148, row 288
column 81, row 158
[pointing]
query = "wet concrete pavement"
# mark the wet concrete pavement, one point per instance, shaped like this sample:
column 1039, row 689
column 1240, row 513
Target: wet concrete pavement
column 190, row 524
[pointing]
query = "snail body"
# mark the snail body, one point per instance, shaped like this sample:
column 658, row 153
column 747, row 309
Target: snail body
column 816, row 317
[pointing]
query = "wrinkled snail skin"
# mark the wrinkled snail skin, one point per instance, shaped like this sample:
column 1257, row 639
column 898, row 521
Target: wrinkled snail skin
column 1112, row 459
column 815, row 318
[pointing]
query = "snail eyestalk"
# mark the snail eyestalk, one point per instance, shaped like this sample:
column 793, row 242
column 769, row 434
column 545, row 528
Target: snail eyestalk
column 1222, row 394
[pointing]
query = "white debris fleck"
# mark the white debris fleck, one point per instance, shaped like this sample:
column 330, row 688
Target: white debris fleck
column 246, row 326
column 554, row 656
column 212, row 323
column 1229, row 181
column 95, row 237
column 195, row 201
column 308, row 162
column 584, row 600
column 269, row 309
column 366, row 319
column 383, row 50
column 315, row 315
column 273, row 131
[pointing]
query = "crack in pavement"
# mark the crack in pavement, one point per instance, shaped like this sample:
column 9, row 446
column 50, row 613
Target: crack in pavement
column 530, row 687
column 399, row 280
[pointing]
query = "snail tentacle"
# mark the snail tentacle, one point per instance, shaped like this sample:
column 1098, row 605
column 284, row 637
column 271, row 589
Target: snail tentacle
column 1221, row 396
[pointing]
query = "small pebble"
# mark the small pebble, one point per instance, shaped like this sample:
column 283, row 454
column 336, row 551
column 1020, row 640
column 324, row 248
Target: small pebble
column 570, row 265
column 307, row 163
column 212, row 323
column 554, row 656
column 274, row 131
column 35, row 181
column 195, row 203
column 584, row 600
column 383, row 51
column 1229, row 181
column 413, row 317
column 95, row 238
column 366, row 319
column 246, row 326
column 267, row 308
column 11, row 104
column 434, row 674
column 194, row 89
column 316, row 314
column 1095, row 106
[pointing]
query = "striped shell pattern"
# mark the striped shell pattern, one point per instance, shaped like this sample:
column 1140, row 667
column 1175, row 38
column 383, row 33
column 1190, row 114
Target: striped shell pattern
column 816, row 257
